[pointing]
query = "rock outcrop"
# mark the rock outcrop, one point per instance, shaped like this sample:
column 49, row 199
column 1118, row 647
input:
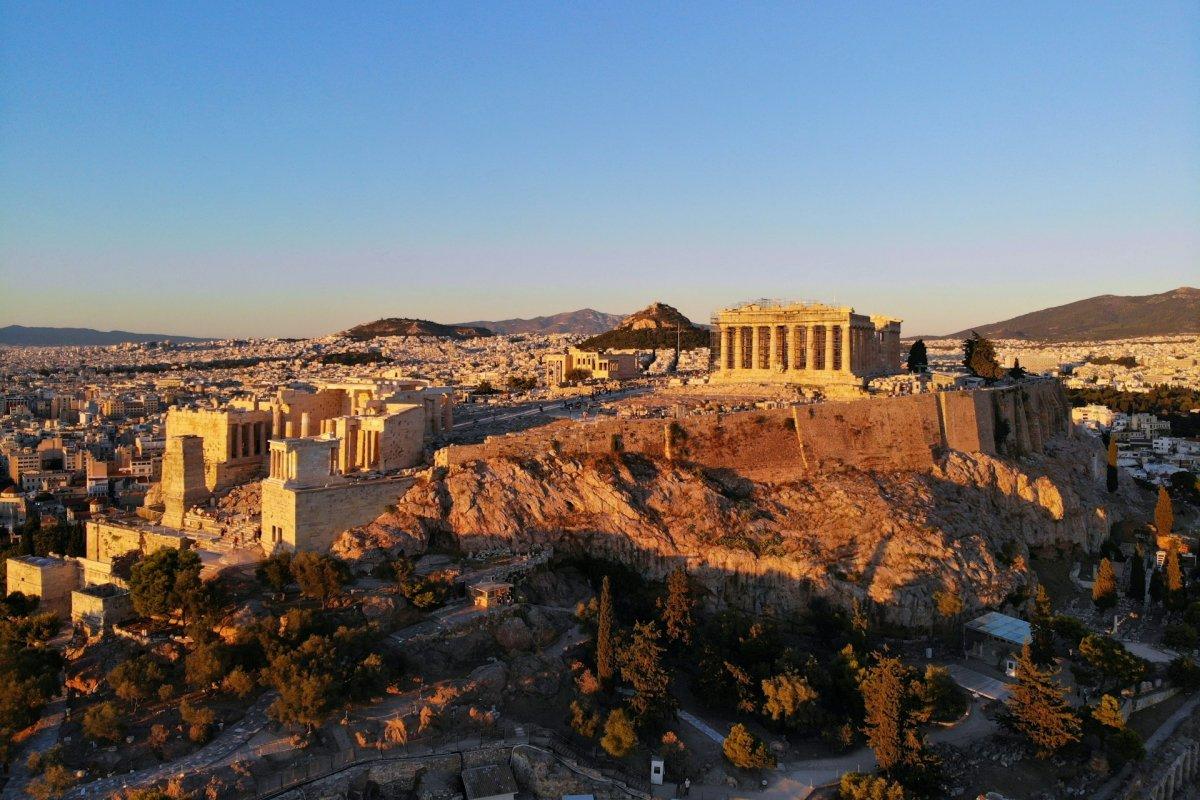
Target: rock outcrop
column 887, row 538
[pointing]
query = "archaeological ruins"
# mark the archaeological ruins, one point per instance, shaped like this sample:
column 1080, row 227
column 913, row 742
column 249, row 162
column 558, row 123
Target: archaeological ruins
column 807, row 344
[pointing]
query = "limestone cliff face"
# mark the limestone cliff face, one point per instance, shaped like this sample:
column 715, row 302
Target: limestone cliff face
column 888, row 538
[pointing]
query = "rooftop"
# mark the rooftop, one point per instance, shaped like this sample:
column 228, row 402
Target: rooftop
column 488, row 781
column 1003, row 627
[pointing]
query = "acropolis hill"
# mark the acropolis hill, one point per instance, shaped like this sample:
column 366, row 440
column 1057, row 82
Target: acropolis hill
column 883, row 500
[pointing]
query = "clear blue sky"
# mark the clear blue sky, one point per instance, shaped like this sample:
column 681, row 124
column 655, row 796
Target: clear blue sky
column 292, row 169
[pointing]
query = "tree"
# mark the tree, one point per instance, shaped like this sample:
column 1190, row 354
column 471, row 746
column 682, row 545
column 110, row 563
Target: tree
column 641, row 668
column 864, row 786
column 1108, row 712
column 54, row 782
column 104, row 722
column 1137, row 576
column 1104, row 589
column 1180, row 636
column 1110, row 658
column 160, row 582
column 205, row 664
column 789, row 699
column 619, row 736
column 1017, row 373
column 604, row 634
column 1037, row 708
column 677, row 608
column 979, row 357
column 745, row 750
column 199, row 719
column 938, row 697
column 918, row 357
column 319, row 576
column 1111, row 472
column 276, row 571
column 396, row 732
column 883, row 692
column 949, row 605
column 238, row 683
column 137, row 679
column 1164, row 513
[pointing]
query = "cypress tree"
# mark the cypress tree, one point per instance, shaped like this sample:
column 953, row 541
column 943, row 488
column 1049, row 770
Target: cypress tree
column 1137, row 576
column 1104, row 589
column 641, row 668
column 677, row 608
column 604, row 634
column 1164, row 513
column 918, row 356
column 1112, row 464
column 1037, row 708
column 883, row 692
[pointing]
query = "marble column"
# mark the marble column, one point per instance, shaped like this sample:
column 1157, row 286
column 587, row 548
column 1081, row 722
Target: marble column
column 829, row 348
column 847, row 350
column 277, row 422
column 305, row 424
column 773, row 348
column 755, row 334
column 810, row 348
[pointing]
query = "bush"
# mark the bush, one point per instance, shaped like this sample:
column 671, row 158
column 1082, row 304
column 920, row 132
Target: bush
column 584, row 721
column 743, row 749
column 200, row 720
column 53, row 783
column 619, row 736
column 942, row 700
column 104, row 722
column 1185, row 673
column 1123, row 746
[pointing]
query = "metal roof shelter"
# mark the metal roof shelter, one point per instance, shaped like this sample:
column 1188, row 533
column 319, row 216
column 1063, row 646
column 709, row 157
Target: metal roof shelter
column 1001, row 626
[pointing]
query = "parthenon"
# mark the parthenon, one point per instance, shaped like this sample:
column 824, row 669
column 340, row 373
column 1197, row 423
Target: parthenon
column 802, row 343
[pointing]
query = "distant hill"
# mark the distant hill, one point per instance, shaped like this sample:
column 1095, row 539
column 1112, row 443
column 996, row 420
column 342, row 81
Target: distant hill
column 19, row 335
column 654, row 327
column 585, row 321
column 1108, row 316
column 413, row 327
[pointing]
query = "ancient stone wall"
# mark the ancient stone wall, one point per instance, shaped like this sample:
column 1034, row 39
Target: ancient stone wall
column 51, row 580
column 107, row 540
column 310, row 519
column 909, row 432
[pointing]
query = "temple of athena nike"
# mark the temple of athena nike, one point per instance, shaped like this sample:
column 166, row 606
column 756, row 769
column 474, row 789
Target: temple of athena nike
column 808, row 344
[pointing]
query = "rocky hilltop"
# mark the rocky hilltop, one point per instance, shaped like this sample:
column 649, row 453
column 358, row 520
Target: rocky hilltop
column 395, row 326
column 888, row 538
column 654, row 327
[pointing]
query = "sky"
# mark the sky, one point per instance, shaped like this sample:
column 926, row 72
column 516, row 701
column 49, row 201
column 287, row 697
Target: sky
column 292, row 169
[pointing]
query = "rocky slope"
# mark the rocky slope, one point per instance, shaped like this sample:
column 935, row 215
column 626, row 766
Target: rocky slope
column 654, row 327
column 394, row 326
column 889, row 539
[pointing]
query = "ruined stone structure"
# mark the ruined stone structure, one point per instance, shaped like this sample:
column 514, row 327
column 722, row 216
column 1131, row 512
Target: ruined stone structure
column 97, row 608
column 377, row 425
column 599, row 364
column 807, row 344
column 306, row 503
column 47, row 578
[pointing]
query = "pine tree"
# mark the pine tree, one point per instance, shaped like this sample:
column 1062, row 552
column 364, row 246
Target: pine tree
column 1111, row 477
column 1037, row 708
column 883, row 692
column 1104, row 589
column 677, row 608
column 1042, row 627
column 979, row 356
column 641, row 668
column 1137, row 576
column 743, row 749
column 1164, row 513
column 604, row 634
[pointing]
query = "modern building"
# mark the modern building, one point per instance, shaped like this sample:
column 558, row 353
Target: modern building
column 809, row 344
column 996, row 639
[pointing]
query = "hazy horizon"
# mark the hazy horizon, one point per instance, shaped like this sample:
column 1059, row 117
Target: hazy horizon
column 235, row 171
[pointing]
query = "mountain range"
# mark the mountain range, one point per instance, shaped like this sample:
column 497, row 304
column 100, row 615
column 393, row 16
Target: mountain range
column 586, row 321
column 1108, row 316
column 19, row 335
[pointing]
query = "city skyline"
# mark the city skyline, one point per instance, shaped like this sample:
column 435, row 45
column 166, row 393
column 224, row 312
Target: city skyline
column 256, row 172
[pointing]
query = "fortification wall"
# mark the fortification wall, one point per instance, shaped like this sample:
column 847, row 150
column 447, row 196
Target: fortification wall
column 879, row 433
